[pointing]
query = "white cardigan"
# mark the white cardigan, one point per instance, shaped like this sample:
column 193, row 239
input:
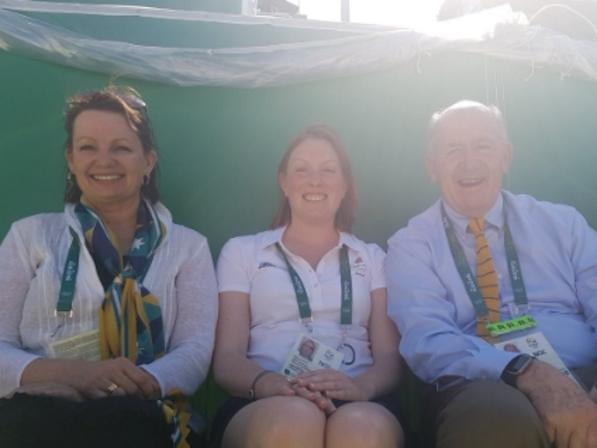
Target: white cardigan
column 181, row 275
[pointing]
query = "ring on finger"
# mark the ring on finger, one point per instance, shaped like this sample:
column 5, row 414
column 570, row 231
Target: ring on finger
column 112, row 388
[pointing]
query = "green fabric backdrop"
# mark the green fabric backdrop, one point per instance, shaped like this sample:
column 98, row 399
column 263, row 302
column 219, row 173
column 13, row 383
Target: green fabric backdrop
column 219, row 147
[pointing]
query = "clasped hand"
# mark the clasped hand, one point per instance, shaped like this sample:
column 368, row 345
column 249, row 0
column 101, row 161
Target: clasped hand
column 319, row 386
column 327, row 384
column 78, row 379
column 117, row 376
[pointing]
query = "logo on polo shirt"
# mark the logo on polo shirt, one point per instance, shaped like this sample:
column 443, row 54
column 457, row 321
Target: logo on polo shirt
column 359, row 267
column 267, row 264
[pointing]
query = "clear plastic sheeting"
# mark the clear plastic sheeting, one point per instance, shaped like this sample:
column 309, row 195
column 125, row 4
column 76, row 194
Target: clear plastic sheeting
column 498, row 32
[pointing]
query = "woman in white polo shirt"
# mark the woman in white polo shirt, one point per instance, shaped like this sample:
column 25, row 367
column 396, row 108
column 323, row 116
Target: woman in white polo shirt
column 304, row 345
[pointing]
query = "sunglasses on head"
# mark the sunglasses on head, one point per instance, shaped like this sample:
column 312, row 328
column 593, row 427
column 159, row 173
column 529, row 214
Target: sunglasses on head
column 135, row 102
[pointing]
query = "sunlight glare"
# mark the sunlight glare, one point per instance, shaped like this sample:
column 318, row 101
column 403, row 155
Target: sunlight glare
column 411, row 13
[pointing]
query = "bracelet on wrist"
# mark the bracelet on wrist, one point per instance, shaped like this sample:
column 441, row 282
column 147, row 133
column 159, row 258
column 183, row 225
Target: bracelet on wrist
column 255, row 381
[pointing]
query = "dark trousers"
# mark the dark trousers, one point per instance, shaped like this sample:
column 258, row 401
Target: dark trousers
column 114, row 422
column 488, row 414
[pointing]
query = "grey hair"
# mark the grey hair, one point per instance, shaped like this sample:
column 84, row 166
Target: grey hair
column 491, row 110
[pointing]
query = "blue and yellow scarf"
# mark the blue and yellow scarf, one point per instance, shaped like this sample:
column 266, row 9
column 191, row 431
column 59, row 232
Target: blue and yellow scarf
column 130, row 322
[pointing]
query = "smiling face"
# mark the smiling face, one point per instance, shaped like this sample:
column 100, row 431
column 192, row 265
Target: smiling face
column 107, row 159
column 468, row 159
column 313, row 182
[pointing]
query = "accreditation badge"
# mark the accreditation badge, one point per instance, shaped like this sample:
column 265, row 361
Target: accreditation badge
column 83, row 346
column 520, row 335
column 308, row 354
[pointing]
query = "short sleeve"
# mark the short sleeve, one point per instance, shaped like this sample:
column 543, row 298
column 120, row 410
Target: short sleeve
column 378, row 278
column 232, row 268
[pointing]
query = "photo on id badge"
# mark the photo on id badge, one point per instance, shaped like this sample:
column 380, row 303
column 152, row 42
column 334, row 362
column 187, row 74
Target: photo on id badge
column 308, row 354
column 307, row 348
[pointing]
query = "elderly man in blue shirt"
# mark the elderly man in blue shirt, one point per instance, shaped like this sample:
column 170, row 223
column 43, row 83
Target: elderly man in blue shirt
column 481, row 260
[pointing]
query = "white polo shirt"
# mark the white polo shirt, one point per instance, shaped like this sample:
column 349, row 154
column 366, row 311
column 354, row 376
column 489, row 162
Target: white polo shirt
column 252, row 265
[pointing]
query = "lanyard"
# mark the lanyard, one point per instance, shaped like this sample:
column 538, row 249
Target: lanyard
column 69, row 278
column 469, row 280
column 302, row 299
column 64, row 307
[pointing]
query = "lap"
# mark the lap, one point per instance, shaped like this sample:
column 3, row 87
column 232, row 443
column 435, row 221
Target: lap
column 484, row 413
column 362, row 409
column 388, row 402
column 33, row 421
column 276, row 421
column 386, row 405
column 238, row 411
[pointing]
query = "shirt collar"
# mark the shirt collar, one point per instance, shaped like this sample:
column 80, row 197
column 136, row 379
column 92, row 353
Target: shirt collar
column 494, row 217
column 275, row 236
column 272, row 237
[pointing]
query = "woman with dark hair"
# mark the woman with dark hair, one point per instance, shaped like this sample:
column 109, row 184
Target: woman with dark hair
column 109, row 308
column 307, row 281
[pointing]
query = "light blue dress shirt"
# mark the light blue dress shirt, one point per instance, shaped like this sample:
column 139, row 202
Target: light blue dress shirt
column 558, row 255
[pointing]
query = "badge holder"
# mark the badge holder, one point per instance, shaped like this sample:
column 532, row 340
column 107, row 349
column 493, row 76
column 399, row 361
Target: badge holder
column 521, row 335
column 308, row 354
column 83, row 346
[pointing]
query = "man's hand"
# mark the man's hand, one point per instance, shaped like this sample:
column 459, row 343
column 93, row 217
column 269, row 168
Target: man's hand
column 567, row 412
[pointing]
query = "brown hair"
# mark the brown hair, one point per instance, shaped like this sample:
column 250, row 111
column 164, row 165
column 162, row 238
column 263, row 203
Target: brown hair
column 125, row 101
column 346, row 212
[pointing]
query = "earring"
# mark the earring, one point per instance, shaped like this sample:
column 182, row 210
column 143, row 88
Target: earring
column 69, row 176
column 146, row 180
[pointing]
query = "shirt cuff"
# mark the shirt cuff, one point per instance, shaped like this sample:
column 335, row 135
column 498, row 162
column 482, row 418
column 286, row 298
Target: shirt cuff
column 153, row 373
column 493, row 361
column 11, row 377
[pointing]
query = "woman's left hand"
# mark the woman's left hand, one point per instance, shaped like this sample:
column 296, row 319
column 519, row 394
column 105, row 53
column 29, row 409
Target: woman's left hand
column 332, row 384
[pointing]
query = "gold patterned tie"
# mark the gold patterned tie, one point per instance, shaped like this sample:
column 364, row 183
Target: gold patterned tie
column 486, row 276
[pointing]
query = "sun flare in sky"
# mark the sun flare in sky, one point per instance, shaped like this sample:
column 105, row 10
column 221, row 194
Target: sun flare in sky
column 381, row 12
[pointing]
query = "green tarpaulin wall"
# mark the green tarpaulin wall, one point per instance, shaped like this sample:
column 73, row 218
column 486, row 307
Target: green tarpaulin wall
column 219, row 147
